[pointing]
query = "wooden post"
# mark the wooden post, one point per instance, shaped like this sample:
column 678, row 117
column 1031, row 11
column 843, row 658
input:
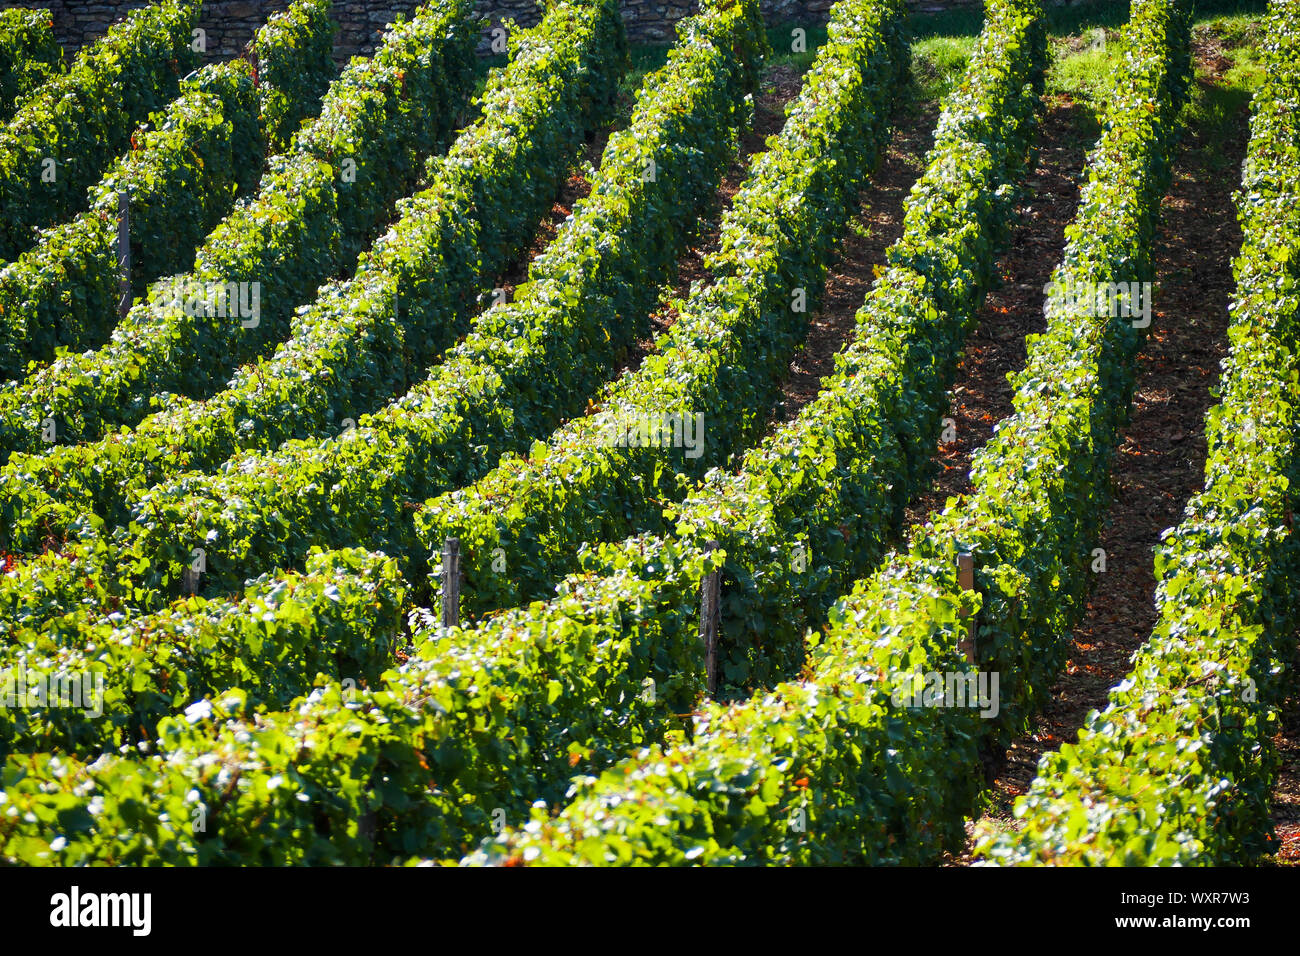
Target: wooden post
column 710, row 618
column 451, row 582
column 124, row 253
column 966, row 580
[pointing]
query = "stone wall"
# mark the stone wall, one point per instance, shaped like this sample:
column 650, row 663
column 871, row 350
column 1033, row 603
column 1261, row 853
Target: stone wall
column 230, row 24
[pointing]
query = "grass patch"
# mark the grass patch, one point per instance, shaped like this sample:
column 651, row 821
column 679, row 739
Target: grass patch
column 1085, row 43
column 939, row 62
column 1084, row 66
column 1067, row 21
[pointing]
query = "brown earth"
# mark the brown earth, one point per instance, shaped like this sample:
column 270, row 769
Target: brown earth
column 981, row 393
column 778, row 85
column 875, row 227
column 1160, row 462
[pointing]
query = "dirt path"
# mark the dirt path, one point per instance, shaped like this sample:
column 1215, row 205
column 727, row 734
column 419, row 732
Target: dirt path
column 777, row 87
column 1286, row 792
column 981, row 394
column 876, row 226
column 1160, row 463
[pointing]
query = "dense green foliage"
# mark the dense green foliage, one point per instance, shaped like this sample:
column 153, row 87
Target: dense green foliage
column 209, row 653
column 86, row 575
column 83, row 119
column 29, row 55
column 512, row 711
column 811, row 508
column 717, row 366
column 842, row 766
column 814, row 506
column 317, row 207
column 1178, row 769
column 342, row 618
column 343, row 776
column 354, row 487
column 182, row 177
column 362, row 341
column 295, row 65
